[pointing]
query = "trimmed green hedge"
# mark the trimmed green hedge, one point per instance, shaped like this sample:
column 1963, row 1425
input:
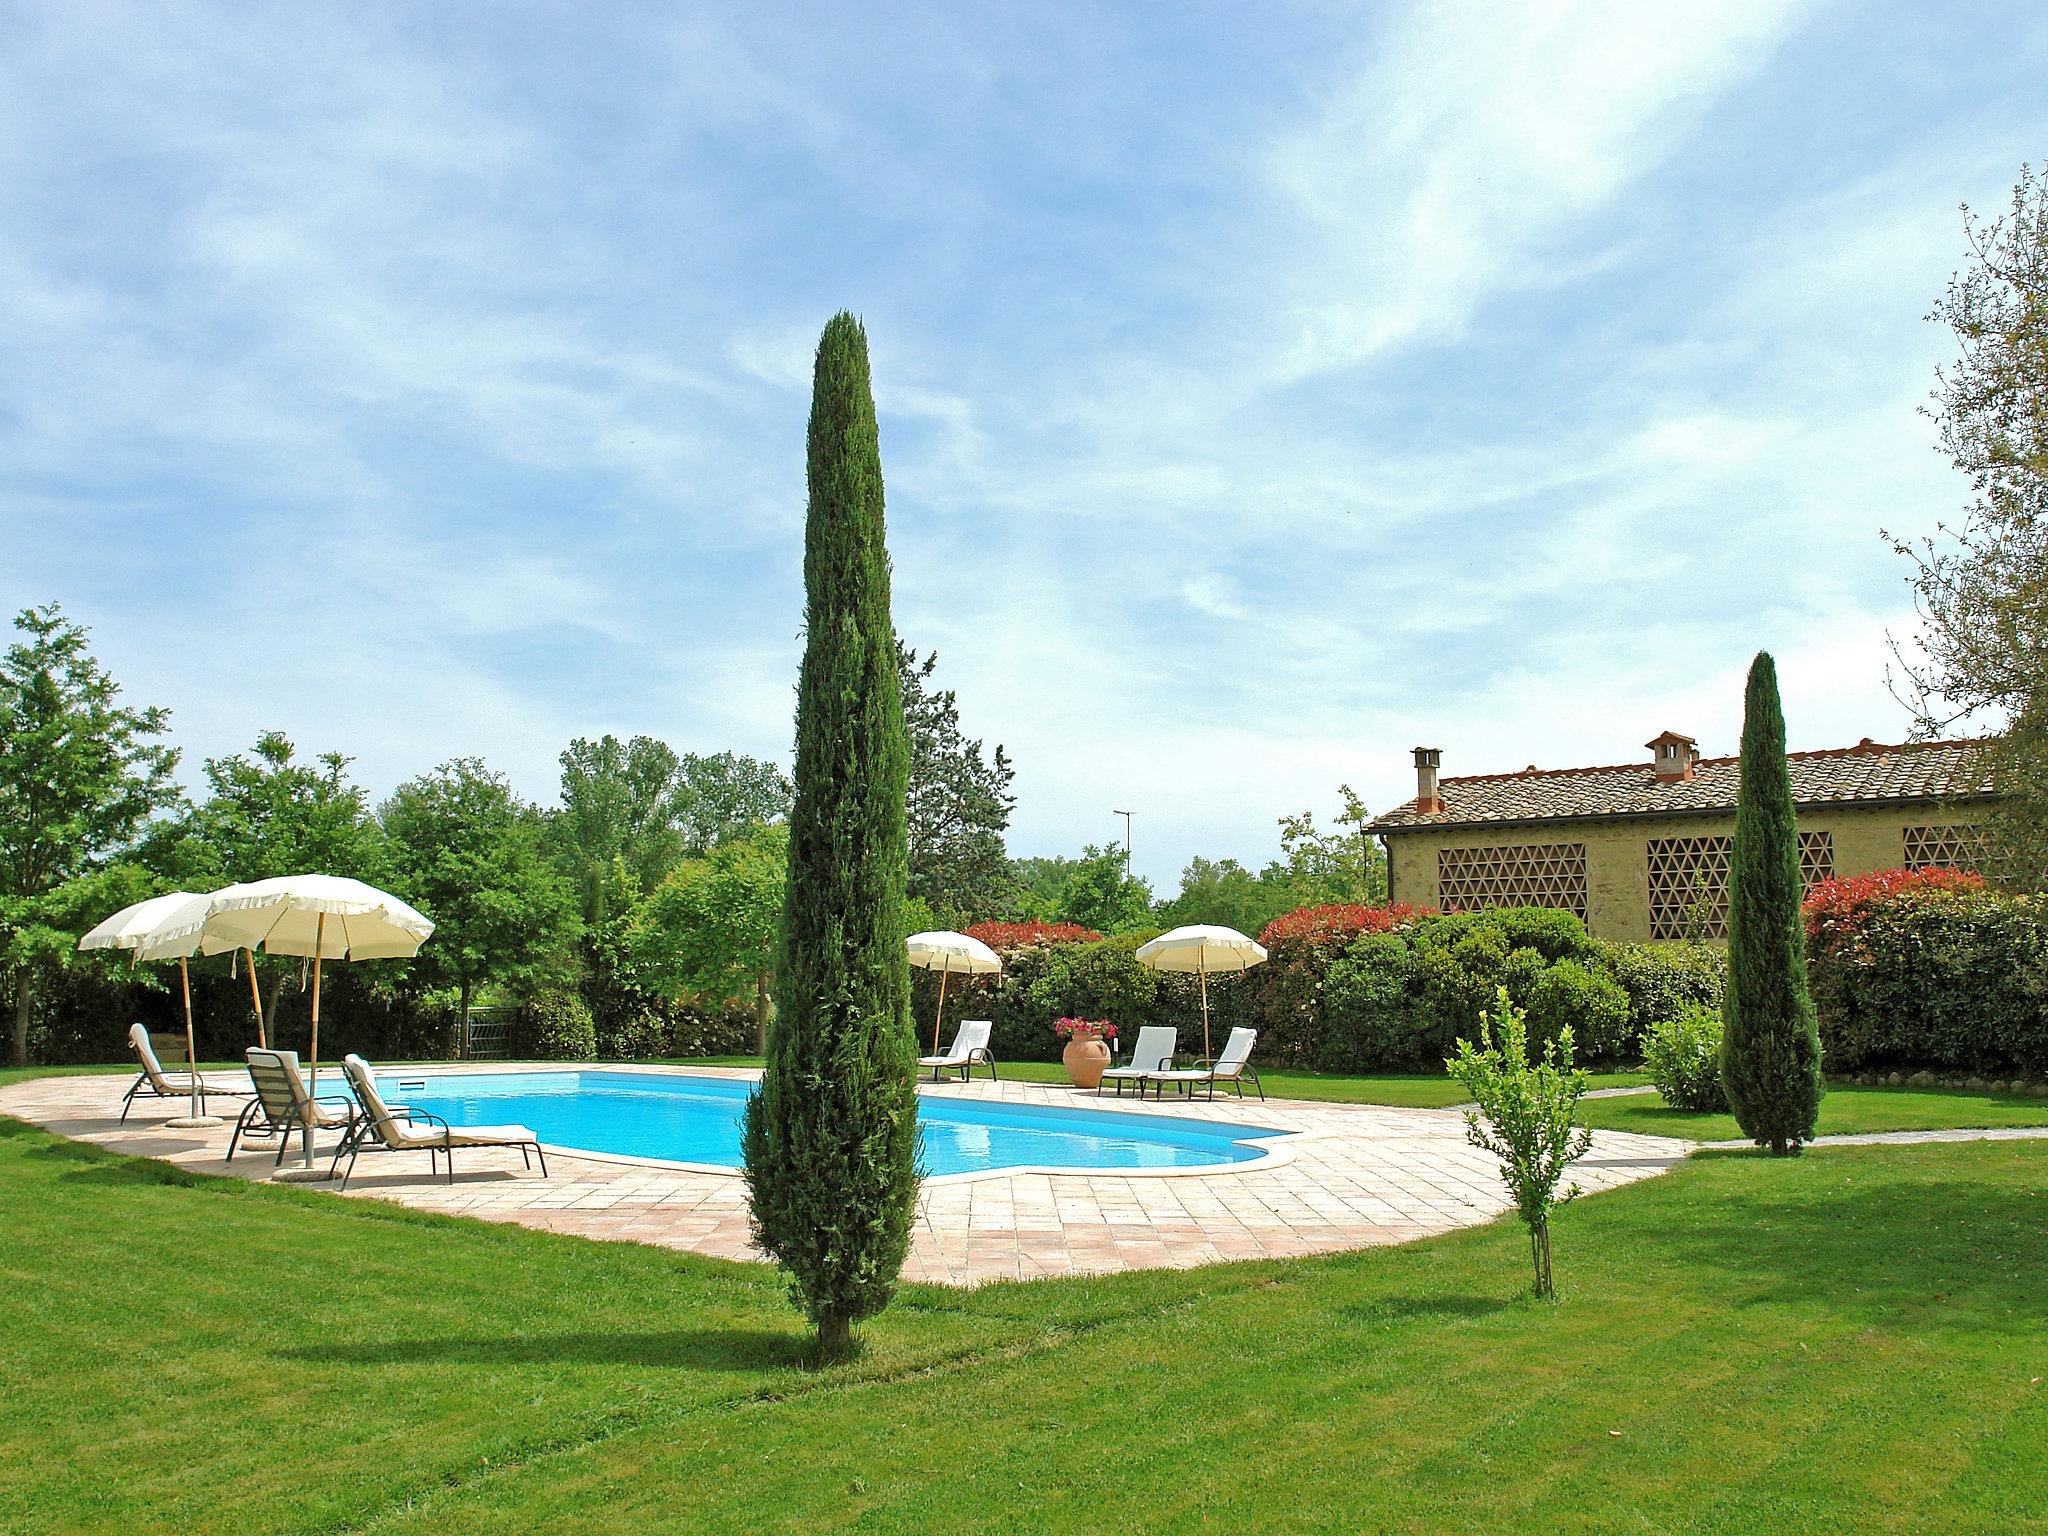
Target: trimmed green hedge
column 1932, row 978
column 1380, row 1001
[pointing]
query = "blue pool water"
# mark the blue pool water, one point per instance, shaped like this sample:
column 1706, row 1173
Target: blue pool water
column 697, row 1120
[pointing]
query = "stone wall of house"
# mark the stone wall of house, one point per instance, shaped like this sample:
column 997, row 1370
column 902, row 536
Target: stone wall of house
column 1617, row 854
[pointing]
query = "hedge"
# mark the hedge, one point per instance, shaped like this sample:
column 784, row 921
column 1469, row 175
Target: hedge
column 1345, row 989
column 1928, row 969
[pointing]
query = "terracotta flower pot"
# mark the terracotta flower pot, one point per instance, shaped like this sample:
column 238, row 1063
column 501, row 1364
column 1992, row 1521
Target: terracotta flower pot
column 1085, row 1061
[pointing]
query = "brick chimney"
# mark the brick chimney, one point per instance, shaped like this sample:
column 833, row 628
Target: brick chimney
column 1675, row 755
column 1427, row 801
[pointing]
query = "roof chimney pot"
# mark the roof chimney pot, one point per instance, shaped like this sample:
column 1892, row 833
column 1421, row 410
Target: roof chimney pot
column 1428, row 802
column 1675, row 756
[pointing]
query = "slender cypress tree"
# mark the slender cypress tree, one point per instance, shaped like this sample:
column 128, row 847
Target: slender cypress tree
column 1770, row 1046
column 831, row 1137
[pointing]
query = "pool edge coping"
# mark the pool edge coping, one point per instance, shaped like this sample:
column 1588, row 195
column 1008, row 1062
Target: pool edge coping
column 1274, row 1145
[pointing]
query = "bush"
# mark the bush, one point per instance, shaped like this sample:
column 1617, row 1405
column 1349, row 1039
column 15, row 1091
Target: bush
column 1664, row 980
column 1523, row 1112
column 1287, row 995
column 1590, row 1003
column 556, row 1026
column 1683, row 1056
column 1372, row 1011
column 1552, row 933
column 1007, row 936
column 1928, row 969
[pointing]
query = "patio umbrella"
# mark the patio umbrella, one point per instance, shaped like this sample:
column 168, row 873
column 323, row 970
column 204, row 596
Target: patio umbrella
column 950, row 954
column 130, row 929
column 1203, row 950
column 319, row 917
column 182, row 930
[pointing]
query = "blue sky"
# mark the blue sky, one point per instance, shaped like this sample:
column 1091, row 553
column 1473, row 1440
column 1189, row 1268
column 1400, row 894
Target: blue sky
column 1264, row 390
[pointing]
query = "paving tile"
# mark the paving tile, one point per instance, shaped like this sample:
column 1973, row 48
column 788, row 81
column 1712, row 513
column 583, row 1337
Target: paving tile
column 1354, row 1176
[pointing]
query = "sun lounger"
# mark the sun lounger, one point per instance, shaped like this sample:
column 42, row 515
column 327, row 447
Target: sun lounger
column 968, row 1051
column 1232, row 1067
column 155, row 1083
column 1153, row 1053
column 284, row 1104
column 387, row 1129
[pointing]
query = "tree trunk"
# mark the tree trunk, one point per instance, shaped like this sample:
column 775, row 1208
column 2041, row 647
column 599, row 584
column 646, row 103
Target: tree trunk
column 835, row 1336
column 462, row 989
column 1539, row 1255
column 17, row 1047
column 270, row 1009
column 761, row 1013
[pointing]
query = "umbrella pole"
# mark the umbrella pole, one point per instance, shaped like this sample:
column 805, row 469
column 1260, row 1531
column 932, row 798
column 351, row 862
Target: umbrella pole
column 256, row 1002
column 1206, row 1056
column 936, row 1017
column 313, row 1068
column 196, row 1114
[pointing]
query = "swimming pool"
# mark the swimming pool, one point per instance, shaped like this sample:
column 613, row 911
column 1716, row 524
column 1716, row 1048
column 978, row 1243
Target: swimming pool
column 697, row 1120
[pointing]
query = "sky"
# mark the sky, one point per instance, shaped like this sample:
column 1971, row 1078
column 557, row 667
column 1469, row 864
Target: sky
column 1264, row 390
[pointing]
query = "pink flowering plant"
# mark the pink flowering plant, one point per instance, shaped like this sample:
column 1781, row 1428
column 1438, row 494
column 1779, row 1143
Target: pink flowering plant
column 1084, row 1029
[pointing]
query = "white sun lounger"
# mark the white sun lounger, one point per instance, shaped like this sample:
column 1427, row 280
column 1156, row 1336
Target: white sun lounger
column 968, row 1051
column 384, row 1128
column 1232, row 1067
column 155, row 1083
column 1153, row 1053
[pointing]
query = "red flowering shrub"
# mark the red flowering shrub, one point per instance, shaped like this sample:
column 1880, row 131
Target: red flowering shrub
column 1002, row 936
column 1287, row 991
column 1928, row 968
column 1337, row 924
column 1836, row 909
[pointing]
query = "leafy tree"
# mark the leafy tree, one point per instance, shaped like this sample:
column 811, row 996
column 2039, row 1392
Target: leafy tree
column 1224, row 891
column 81, row 776
column 267, row 813
column 1099, row 893
column 1770, row 1048
column 831, row 1135
column 1982, row 585
column 1522, row 1113
column 727, row 795
column 637, row 801
column 710, row 927
column 469, row 855
column 959, row 801
column 621, row 802
column 1341, row 867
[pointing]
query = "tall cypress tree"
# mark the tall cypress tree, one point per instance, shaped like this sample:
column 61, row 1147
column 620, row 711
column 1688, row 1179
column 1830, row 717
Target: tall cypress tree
column 1770, row 1048
column 831, row 1137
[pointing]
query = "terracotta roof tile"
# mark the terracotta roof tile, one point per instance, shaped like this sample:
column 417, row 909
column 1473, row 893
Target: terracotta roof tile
column 1913, row 771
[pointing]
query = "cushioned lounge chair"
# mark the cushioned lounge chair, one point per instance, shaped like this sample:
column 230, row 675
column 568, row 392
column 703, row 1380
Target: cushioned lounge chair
column 385, row 1128
column 1232, row 1067
column 155, row 1083
column 1153, row 1053
column 284, row 1104
column 968, row 1051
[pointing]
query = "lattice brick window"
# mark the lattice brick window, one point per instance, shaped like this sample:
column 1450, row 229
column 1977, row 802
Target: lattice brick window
column 1946, row 847
column 1539, row 875
column 1689, row 881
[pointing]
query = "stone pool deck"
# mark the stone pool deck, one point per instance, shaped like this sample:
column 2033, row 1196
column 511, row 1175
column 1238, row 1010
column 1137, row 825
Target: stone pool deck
column 1351, row 1176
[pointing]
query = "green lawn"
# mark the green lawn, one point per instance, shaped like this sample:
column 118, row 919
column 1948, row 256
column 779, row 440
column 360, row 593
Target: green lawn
column 1845, row 1111
column 1848, row 1340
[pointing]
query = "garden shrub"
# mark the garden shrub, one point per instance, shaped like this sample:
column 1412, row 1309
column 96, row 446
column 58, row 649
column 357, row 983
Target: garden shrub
column 1286, row 997
column 1682, row 1054
column 1587, row 1001
column 555, row 1026
column 1928, row 969
column 1664, row 980
column 1524, row 1111
column 1373, row 1015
